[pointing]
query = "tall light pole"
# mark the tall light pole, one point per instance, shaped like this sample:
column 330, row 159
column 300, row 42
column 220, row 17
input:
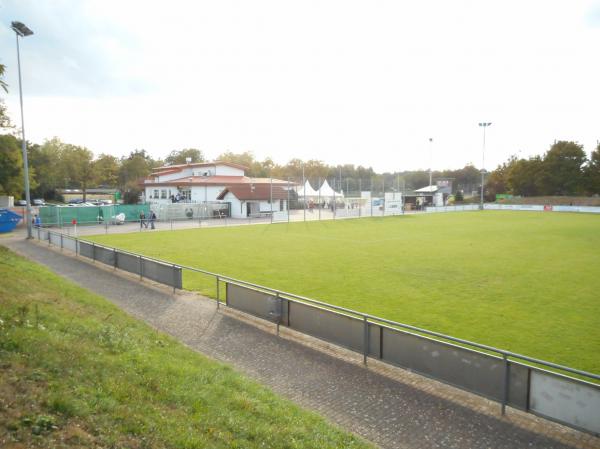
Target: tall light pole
column 21, row 30
column 430, row 158
column 484, row 125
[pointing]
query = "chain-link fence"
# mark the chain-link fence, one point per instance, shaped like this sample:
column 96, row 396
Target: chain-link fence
column 261, row 200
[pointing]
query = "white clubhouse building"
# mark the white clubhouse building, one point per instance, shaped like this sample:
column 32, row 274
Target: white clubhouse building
column 209, row 182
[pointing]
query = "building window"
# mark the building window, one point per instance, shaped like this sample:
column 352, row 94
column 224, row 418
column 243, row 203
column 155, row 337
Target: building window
column 163, row 194
column 186, row 194
column 155, row 194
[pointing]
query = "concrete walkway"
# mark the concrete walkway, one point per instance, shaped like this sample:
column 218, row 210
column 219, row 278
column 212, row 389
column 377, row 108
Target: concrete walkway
column 389, row 406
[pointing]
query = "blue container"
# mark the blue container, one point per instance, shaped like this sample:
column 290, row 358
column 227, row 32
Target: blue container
column 8, row 220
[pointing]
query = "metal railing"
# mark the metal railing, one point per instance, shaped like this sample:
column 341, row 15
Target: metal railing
column 523, row 382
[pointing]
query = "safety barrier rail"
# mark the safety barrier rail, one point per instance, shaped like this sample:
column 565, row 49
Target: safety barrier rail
column 512, row 379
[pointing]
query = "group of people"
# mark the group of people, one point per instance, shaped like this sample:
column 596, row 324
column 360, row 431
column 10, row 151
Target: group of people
column 176, row 198
column 144, row 221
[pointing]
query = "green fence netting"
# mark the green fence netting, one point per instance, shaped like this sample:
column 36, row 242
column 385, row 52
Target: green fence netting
column 64, row 215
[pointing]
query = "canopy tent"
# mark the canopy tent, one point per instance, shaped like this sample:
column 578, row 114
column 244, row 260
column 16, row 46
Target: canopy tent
column 328, row 192
column 427, row 189
column 307, row 191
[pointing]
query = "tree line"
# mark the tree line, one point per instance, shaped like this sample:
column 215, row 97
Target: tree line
column 55, row 165
column 563, row 170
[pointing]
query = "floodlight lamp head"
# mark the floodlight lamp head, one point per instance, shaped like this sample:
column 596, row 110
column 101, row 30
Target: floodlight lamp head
column 21, row 29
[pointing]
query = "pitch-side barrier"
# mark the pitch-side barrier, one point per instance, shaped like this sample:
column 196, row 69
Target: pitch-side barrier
column 519, row 207
column 542, row 388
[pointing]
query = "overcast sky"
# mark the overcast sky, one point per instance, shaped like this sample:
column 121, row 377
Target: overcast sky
column 364, row 82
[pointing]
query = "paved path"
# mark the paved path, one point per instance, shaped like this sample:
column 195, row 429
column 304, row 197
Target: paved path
column 388, row 406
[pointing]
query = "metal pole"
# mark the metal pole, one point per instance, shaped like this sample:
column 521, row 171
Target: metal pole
column 304, row 190
column 24, row 146
column 174, row 277
column 359, row 197
column 430, row 158
column 383, row 196
column 334, row 204
column 371, row 197
column 288, row 199
column 271, row 200
column 279, row 310
column 218, row 298
column 482, row 166
column 506, row 383
column 484, row 125
column 365, row 340
column 319, row 195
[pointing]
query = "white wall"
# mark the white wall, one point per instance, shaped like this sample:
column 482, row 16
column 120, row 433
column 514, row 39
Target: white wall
column 225, row 170
column 208, row 193
column 239, row 208
column 186, row 172
column 149, row 194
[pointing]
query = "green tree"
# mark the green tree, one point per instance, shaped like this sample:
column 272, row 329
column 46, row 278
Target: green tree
column 522, row 177
column 180, row 156
column 134, row 168
column 497, row 181
column 11, row 166
column 592, row 173
column 106, row 170
column 77, row 163
column 561, row 172
column 245, row 159
column 46, row 160
column 4, row 119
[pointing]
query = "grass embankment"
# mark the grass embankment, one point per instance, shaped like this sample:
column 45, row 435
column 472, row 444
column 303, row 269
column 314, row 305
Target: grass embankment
column 75, row 371
column 526, row 282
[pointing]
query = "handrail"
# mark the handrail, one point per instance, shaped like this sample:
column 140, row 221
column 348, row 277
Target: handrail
column 367, row 316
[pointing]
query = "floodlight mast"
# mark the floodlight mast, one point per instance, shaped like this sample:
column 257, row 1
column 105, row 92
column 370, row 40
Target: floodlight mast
column 484, row 125
column 21, row 30
column 430, row 158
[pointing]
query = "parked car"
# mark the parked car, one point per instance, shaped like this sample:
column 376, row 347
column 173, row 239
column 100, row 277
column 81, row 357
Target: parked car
column 22, row 203
column 39, row 202
column 76, row 201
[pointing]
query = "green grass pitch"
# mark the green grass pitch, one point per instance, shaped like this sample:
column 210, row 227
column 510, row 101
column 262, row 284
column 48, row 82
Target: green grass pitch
column 526, row 282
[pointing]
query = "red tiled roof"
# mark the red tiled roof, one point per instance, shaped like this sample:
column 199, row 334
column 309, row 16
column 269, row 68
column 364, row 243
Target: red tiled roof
column 165, row 172
column 212, row 180
column 253, row 191
column 200, row 164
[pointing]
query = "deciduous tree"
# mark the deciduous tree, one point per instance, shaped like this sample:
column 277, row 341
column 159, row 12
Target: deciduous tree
column 180, row 156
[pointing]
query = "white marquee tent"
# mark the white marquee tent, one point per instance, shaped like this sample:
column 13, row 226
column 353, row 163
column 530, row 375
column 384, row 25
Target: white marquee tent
column 307, row 191
column 328, row 192
column 325, row 192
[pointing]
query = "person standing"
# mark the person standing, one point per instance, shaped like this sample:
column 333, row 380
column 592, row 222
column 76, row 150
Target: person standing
column 152, row 219
column 143, row 220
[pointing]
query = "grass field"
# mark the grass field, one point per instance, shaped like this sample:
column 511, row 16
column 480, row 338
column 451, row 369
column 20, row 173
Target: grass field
column 526, row 282
column 77, row 372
